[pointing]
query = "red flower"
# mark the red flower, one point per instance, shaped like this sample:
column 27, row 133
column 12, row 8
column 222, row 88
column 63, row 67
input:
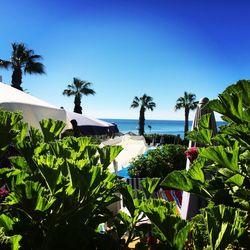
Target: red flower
column 192, row 153
column 3, row 193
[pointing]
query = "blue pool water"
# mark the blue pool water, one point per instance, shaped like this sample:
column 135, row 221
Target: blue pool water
column 124, row 171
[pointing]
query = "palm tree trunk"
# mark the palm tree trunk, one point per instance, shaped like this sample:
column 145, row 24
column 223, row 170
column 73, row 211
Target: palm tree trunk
column 77, row 101
column 141, row 121
column 17, row 79
column 186, row 121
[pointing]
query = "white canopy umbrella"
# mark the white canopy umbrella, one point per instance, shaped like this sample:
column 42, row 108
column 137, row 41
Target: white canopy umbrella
column 92, row 126
column 32, row 108
column 132, row 147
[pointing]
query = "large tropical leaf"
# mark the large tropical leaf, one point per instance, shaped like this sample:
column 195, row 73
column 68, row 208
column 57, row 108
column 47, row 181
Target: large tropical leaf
column 51, row 129
column 224, row 156
column 108, row 154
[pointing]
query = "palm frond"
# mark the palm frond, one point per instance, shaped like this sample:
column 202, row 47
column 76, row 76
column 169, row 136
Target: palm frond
column 4, row 64
column 69, row 92
column 32, row 67
column 135, row 102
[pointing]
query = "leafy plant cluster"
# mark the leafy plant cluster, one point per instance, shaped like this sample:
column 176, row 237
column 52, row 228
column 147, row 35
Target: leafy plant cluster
column 59, row 190
column 159, row 162
column 221, row 173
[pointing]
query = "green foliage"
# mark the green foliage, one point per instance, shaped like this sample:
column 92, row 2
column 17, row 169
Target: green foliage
column 159, row 162
column 221, row 173
column 221, row 226
column 57, row 187
column 134, row 224
column 167, row 226
column 51, row 129
column 11, row 129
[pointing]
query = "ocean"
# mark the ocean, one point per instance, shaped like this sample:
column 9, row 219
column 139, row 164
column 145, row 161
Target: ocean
column 157, row 126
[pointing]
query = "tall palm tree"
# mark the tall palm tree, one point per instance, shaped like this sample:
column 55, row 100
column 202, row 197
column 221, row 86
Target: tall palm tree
column 22, row 60
column 145, row 102
column 77, row 89
column 188, row 103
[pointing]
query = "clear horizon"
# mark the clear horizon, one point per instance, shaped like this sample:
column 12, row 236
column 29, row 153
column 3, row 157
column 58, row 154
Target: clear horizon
column 128, row 48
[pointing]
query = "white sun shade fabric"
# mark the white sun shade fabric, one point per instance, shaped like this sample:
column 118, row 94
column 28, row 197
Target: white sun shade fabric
column 32, row 108
column 92, row 126
column 132, row 147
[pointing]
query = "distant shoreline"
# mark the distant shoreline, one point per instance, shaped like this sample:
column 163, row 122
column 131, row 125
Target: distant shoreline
column 171, row 127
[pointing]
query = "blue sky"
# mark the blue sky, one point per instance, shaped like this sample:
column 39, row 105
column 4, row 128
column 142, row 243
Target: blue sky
column 128, row 48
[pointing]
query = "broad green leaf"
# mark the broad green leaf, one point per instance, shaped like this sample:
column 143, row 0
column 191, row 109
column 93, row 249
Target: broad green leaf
column 15, row 241
column 149, row 185
column 224, row 225
column 6, row 222
column 51, row 129
column 8, row 132
column 242, row 87
column 50, row 169
column 182, row 236
column 240, row 132
column 125, row 218
column 108, row 154
column 43, row 203
column 222, row 156
column 196, row 170
column 236, row 179
column 19, row 163
column 178, row 180
column 32, row 189
column 129, row 198
column 224, row 232
column 167, row 223
column 226, row 172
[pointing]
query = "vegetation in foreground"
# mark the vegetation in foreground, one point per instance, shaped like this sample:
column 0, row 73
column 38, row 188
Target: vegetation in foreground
column 56, row 193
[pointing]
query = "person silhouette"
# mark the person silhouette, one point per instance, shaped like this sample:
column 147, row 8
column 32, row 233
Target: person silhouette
column 75, row 128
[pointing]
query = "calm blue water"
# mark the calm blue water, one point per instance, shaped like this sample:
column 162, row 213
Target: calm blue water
column 157, row 126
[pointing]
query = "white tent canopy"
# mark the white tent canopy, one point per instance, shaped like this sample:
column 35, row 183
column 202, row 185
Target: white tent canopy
column 132, row 147
column 32, row 108
column 92, row 126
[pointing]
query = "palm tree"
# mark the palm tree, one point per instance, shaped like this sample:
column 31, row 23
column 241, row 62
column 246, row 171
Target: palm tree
column 188, row 103
column 22, row 60
column 77, row 89
column 145, row 102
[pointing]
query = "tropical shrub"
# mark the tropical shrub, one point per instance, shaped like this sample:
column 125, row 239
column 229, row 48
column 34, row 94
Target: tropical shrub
column 159, row 162
column 221, row 173
column 58, row 191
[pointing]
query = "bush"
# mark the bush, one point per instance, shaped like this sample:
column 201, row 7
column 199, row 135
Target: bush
column 159, row 162
column 54, row 192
